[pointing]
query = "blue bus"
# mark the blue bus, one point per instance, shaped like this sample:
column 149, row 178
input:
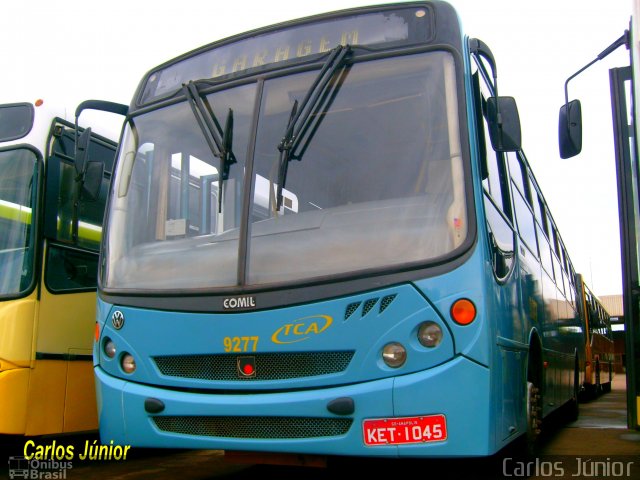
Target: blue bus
column 323, row 237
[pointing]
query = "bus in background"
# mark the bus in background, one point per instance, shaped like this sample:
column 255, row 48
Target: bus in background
column 410, row 261
column 48, row 268
column 599, row 348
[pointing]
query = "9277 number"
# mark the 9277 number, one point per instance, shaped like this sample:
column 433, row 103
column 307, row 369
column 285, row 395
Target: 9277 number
column 240, row 344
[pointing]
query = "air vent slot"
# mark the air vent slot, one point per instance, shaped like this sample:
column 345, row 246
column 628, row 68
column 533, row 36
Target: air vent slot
column 386, row 301
column 351, row 308
column 368, row 305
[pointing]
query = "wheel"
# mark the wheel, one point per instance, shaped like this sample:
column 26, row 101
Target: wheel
column 606, row 387
column 573, row 407
column 534, row 418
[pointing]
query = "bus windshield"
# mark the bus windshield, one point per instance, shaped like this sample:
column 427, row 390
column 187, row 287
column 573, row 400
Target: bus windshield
column 17, row 197
column 376, row 181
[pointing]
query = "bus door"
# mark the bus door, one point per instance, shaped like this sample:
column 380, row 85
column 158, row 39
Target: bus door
column 623, row 91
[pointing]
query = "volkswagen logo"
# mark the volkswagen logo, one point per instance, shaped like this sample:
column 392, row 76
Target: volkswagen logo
column 117, row 319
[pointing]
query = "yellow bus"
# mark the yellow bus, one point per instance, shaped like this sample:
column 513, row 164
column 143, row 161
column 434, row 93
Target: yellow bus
column 599, row 347
column 51, row 208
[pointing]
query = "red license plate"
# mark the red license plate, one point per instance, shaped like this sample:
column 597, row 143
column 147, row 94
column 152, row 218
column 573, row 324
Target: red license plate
column 399, row 431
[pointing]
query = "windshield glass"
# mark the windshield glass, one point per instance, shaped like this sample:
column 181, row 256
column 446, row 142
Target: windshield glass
column 375, row 182
column 61, row 189
column 165, row 227
column 17, row 196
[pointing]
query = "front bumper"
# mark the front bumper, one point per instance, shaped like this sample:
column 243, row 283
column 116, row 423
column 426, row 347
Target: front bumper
column 299, row 421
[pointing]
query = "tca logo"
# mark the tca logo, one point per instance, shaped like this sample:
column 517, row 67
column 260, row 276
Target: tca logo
column 301, row 329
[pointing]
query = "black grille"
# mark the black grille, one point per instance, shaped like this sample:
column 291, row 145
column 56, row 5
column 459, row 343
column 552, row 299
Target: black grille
column 386, row 301
column 351, row 308
column 368, row 305
column 255, row 427
column 268, row 366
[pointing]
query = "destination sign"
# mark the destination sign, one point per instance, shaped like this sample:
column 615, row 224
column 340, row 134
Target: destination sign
column 383, row 29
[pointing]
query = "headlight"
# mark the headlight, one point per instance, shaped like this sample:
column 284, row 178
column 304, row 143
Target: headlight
column 394, row 354
column 110, row 348
column 430, row 334
column 128, row 363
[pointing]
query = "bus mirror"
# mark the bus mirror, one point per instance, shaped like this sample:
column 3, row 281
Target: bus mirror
column 504, row 124
column 89, row 173
column 570, row 129
column 92, row 180
column 82, row 150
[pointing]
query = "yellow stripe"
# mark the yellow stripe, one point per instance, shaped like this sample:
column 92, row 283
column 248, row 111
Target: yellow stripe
column 15, row 212
column 20, row 213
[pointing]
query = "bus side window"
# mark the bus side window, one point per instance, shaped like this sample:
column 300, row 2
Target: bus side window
column 521, row 202
column 526, row 224
column 558, row 274
column 544, row 220
column 545, row 252
column 19, row 167
column 72, row 264
column 70, row 270
column 60, row 188
column 496, row 194
column 516, row 171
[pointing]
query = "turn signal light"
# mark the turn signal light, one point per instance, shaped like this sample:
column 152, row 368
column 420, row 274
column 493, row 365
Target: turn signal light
column 463, row 311
column 96, row 332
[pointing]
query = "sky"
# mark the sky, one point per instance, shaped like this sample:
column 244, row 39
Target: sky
column 72, row 50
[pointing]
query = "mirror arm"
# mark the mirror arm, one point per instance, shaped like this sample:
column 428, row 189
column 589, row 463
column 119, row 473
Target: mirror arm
column 100, row 105
column 103, row 106
column 623, row 40
column 566, row 83
column 481, row 49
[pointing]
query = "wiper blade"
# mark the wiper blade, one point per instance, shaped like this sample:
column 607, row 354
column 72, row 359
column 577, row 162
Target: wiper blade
column 283, row 164
column 301, row 115
column 227, row 158
column 220, row 141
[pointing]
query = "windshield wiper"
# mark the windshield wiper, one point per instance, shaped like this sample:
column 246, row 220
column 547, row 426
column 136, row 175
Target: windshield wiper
column 220, row 141
column 302, row 115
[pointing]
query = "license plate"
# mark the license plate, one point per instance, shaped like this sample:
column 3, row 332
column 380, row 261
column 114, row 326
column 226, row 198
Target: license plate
column 400, row 431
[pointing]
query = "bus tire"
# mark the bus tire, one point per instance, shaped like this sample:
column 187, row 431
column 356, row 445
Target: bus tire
column 573, row 406
column 534, row 419
column 534, row 401
column 606, row 387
